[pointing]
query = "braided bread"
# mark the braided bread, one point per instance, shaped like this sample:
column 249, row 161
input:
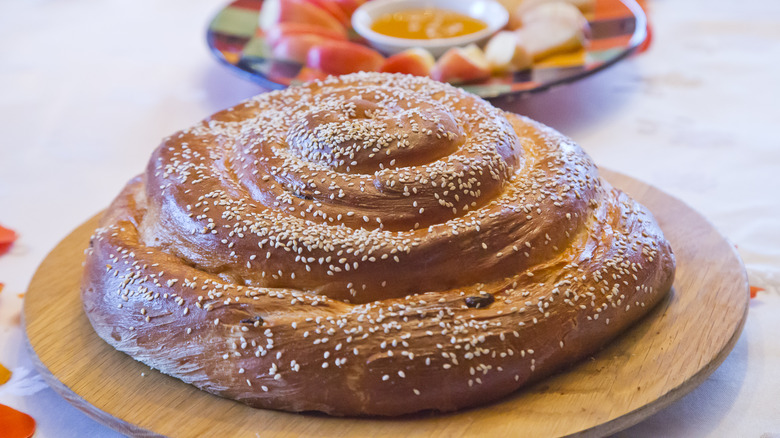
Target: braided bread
column 370, row 244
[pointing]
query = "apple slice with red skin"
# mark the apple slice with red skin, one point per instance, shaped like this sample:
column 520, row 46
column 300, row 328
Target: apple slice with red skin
column 296, row 47
column 415, row 61
column 310, row 74
column 333, row 9
column 348, row 6
column 343, row 57
column 461, row 64
column 280, row 31
column 297, row 11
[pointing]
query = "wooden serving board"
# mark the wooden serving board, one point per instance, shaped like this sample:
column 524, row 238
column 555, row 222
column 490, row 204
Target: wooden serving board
column 659, row 360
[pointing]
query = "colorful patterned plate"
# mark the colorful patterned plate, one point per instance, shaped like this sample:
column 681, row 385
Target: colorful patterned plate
column 618, row 28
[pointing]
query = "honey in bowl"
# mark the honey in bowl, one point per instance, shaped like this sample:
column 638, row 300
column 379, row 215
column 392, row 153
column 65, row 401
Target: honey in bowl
column 426, row 24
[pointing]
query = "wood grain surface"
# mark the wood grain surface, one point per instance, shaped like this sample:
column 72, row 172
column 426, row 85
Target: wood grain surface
column 659, row 360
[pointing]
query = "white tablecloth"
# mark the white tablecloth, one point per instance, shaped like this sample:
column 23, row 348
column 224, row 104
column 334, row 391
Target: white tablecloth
column 88, row 89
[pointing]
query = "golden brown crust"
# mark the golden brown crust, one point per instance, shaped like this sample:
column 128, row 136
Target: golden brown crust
column 369, row 245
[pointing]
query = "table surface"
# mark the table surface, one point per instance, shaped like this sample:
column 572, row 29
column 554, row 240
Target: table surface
column 88, row 89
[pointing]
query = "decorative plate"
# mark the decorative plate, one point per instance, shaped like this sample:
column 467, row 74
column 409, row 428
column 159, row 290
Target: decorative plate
column 617, row 29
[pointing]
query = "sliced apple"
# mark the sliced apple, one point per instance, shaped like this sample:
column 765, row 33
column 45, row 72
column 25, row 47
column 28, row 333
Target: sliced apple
column 348, row 6
column 555, row 11
column 333, row 9
column 582, row 5
column 297, row 11
column 544, row 38
column 343, row 57
column 281, row 30
column 310, row 74
column 296, row 47
column 504, row 53
column 461, row 64
column 415, row 61
column 519, row 8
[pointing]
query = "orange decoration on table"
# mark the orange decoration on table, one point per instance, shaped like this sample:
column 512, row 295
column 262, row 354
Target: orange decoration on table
column 15, row 424
column 5, row 374
column 754, row 290
column 7, row 238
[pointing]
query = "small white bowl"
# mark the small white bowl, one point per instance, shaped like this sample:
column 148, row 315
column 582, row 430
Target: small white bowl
column 489, row 11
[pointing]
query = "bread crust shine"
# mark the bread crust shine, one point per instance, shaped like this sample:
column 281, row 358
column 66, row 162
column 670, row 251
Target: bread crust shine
column 370, row 245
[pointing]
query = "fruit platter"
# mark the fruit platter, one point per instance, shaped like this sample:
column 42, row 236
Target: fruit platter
column 523, row 46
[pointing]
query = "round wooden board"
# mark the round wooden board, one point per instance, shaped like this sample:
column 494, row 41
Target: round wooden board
column 659, row 360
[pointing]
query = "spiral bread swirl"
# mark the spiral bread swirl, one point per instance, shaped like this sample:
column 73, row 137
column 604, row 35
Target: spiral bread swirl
column 371, row 244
